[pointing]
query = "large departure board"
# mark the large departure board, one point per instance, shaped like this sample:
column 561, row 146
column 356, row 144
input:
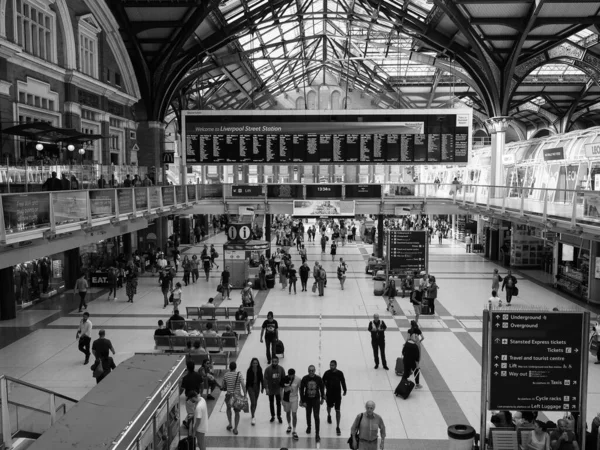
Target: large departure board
column 336, row 137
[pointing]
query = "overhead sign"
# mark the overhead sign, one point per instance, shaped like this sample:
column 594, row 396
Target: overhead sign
column 239, row 232
column 369, row 136
column 363, row 191
column 168, row 158
column 553, row 154
column 536, row 361
column 324, row 191
column 407, row 251
column 592, row 150
column 247, row 191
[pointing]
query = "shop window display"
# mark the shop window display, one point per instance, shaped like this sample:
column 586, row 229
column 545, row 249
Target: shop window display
column 38, row 279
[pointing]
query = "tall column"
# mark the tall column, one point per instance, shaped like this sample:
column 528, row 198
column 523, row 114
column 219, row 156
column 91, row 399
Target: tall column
column 454, row 226
column 268, row 218
column 380, row 235
column 151, row 140
column 497, row 127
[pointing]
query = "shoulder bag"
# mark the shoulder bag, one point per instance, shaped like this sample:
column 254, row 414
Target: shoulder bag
column 356, row 435
column 97, row 368
column 238, row 401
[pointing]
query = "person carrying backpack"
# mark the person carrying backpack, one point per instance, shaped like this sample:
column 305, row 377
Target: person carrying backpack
column 247, row 296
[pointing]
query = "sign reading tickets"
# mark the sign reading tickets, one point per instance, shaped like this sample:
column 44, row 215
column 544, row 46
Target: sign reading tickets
column 69, row 207
column 102, row 203
column 536, row 361
column 25, row 211
column 318, row 208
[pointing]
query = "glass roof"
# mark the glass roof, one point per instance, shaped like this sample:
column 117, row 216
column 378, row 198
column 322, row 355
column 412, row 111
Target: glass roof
column 584, row 38
column 293, row 43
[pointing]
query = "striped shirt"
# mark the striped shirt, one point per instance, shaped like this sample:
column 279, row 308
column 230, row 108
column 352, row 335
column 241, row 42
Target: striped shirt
column 232, row 382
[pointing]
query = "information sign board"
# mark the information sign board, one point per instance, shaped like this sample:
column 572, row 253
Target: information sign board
column 363, row 191
column 333, row 191
column 407, row 251
column 536, row 361
column 392, row 137
column 247, row 191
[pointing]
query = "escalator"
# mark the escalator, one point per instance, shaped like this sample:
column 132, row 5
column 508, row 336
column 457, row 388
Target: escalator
column 27, row 411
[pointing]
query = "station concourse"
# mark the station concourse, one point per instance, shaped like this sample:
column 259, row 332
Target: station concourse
column 39, row 347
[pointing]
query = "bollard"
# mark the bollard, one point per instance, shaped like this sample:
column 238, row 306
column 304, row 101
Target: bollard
column 461, row 437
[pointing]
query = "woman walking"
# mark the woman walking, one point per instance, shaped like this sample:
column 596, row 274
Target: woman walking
column 254, row 385
column 232, row 384
column 131, row 282
column 176, row 293
column 496, row 279
column 341, row 272
column 390, row 292
column 292, row 277
column 187, row 268
column 333, row 249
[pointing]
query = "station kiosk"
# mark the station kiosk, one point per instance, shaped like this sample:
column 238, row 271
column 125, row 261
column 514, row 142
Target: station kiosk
column 241, row 254
column 136, row 407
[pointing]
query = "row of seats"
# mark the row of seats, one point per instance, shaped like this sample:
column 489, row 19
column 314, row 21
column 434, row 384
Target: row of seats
column 209, row 312
column 208, row 343
column 509, row 439
column 219, row 361
column 239, row 326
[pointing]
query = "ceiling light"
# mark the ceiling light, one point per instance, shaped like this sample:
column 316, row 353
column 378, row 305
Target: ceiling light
column 39, row 147
column 70, row 147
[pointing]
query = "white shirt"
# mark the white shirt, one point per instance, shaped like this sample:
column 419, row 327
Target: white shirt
column 162, row 263
column 85, row 328
column 201, row 416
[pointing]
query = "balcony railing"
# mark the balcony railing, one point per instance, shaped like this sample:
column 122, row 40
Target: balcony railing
column 28, row 409
column 47, row 214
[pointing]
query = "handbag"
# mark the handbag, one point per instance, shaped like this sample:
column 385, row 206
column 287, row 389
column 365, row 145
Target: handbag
column 239, row 402
column 171, row 298
column 97, row 369
column 220, row 288
column 515, row 291
column 355, row 435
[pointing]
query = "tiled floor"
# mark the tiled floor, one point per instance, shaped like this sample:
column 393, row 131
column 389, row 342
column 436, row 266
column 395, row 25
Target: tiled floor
column 315, row 330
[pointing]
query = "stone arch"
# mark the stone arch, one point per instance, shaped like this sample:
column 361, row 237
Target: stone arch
column 109, row 25
column 517, row 131
column 542, row 132
column 336, row 97
column 68, row 33
column 311, row 100
column 300, row 103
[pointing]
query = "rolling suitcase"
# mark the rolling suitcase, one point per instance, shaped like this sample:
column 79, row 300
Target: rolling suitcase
column 279, row 348
column 399, row 366
column 188, row 443
column 405, row 387
column 425, row 309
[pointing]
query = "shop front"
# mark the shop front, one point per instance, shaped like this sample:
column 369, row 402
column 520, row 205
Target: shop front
column 96, row 259
column 573, row 266
column 39, row 279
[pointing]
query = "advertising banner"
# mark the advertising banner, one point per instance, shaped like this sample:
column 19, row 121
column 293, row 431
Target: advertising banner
column 168, row 193
column 141, row 199
column 26, row 212
column 155, row 197
column 125, row 198
column 554, row 154
column 318, row 208
column 180, row 194
column 592, row 150
column 102, row 203
column 69, row 207
column 191, row 192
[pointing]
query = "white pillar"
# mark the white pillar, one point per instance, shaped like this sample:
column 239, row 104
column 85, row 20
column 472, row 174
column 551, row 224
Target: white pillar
column 497, row 127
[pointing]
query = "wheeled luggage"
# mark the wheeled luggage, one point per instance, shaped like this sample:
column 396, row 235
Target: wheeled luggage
column 404, row 388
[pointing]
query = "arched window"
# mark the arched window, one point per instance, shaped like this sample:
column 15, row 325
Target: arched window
column 335, row 100
column 300, row 103
column 311, row 99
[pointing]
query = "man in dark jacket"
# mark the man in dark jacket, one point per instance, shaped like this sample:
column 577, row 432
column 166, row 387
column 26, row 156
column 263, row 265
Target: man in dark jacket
column 273, row 383
column 377, row 329
column 411, row 355
column 312, row 394
column 52, row 184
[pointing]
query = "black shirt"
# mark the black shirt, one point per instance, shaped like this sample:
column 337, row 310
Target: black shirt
column 225, row 276
column 163, row 332
column 241, row 315
column 192, row 382
column 334, row 382
column 312, row 388
column 270, row 328
column 101, row 346
column 176, row 317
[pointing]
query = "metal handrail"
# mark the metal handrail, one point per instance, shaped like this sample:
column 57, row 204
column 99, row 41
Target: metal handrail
column 33, row 386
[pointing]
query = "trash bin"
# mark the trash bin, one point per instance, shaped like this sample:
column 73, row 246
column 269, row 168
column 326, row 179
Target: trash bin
column 270, row 281
column 379, row 282
column 461, row 437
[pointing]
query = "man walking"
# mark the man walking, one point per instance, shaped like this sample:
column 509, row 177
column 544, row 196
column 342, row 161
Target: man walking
column 321, row 280
column 291, row 386
column 102, row 346
column 334, row 384
column 84, row 335
column 273, row 382
column 81, row 287
column 367, row 424
column 377, row 328
column 468, row 243
column 200, row 423
column 304, row 270
column 312, row 393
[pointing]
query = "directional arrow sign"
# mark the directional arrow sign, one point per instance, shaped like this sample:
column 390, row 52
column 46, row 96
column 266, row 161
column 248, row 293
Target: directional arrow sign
column 495, row 373
column 497, row 325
